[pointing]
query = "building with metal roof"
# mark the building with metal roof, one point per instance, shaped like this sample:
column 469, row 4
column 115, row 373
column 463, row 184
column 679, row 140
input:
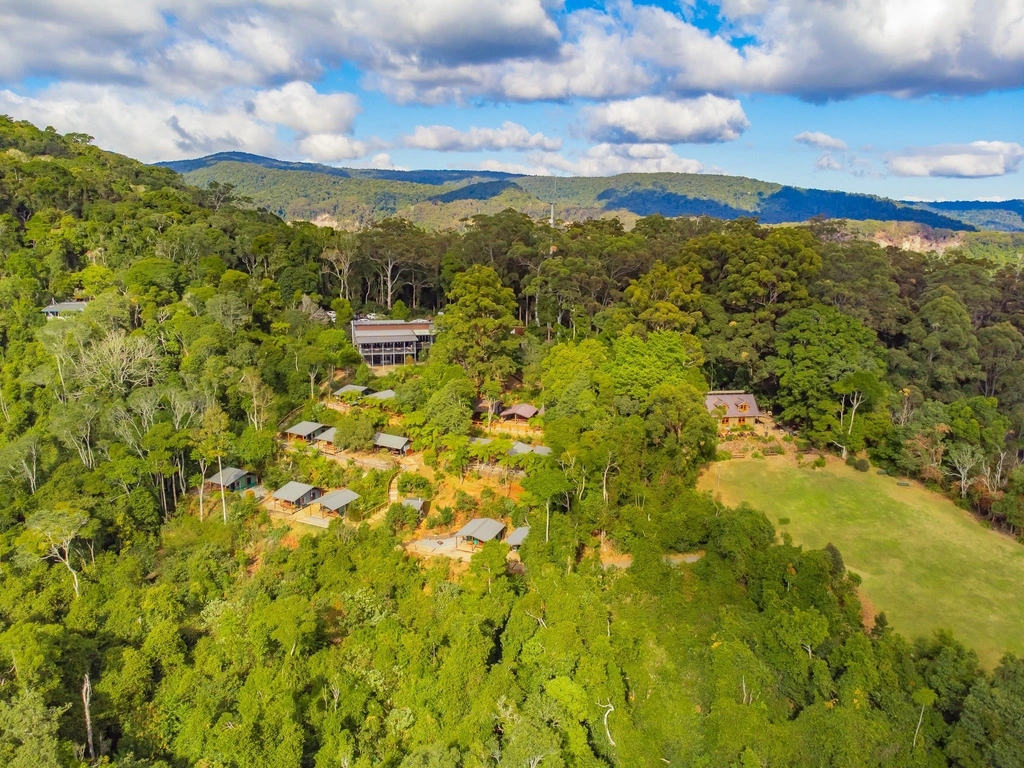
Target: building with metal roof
column 233, row 479
column 295, row 495
column 392, row 342
column 519, row 449
column 352, row 390
column 337, row 501
column 517, row 537
column 307, row 430
column 479, row 531
column 396, row 443
column 542, row 450
column 522, row 411
column 57, row 308
column 387, row 394
column 414, row 503
column 480, row 441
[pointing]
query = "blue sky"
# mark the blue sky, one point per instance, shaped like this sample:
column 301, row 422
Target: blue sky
column 912, row 98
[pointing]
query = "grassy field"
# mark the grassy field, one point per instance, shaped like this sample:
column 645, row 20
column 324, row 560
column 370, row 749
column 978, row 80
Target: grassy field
column 927, row 564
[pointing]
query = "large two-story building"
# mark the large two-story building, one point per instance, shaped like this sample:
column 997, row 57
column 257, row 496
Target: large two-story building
column 733, row 408
column 392, row 342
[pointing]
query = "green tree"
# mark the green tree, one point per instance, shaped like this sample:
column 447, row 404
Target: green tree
column 475, row 331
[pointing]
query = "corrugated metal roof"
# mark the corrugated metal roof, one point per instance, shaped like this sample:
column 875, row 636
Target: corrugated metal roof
column 227, row 476
column 393, row 442
column 414, row 503
column 517, row 536
column 518, row 449
column 328, row 435
column 542, row 450
column 335, row 500
column 522, row 410
column 481, row 529
column 382, row 336
column 387, row 394
column 353, row 388
column 65, row 306
column 292, row 491
column 480, row 441
column 304, row 428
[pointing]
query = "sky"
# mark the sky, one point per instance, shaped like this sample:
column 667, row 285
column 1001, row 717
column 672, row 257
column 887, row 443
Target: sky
column 912, row 99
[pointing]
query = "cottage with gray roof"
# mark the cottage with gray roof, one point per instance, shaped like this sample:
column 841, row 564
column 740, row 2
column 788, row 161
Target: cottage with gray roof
column 337, row 501
column 479, row 531
column 396, row 443
column 387, row 394
column 353, row 390
column 293, row 495
column 233, row 479
column 306, row 430
column 57, row 309
column 517, row 537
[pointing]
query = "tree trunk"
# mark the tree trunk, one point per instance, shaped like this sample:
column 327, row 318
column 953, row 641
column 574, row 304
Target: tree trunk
column 547, row 521
column 917, row 730
column 86, row 699
column 223, row 500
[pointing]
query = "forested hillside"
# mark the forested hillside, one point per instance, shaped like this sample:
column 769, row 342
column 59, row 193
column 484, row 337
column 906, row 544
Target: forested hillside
column 143, row 624
column 441, row 199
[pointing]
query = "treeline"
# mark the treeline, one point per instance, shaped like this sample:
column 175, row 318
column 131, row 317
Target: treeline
column 143, row 625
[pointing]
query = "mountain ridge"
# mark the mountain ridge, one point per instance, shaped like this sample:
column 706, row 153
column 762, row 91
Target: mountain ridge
column 353, row 197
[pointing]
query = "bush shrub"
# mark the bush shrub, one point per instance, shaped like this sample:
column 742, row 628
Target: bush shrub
column 803, row 445
column 862, row 465
column 400, row 516
column 411, row 484
column 723, row 456
column 851, row 460
column 819, row 462
column 773, row 450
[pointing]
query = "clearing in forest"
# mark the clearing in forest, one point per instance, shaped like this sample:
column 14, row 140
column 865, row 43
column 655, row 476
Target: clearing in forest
column 924, row 562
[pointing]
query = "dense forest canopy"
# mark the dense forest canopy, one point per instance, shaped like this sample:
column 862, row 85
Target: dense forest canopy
column 143, row 624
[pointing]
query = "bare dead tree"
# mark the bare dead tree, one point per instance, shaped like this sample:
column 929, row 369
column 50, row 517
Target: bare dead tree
column 86, row 700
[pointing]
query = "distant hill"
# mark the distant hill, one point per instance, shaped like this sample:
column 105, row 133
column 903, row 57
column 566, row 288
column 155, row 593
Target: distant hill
column 352, row 197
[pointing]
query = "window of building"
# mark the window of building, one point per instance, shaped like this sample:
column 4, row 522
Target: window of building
column 726, row 421
column 742, row 420
column 744, row 407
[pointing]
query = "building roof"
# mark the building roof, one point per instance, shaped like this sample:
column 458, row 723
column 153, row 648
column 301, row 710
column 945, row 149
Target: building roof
column 522, row 410
column 292, row 491
column 518, row 449
column 517, row 536
column 387, row 394
column 227, row 476
column 394, row 442
column 304, row 428
column 55, row 308
column 481, row 529
column 421, row 322
column 381, row 336
column 335, row 500
column 542, row 450
column 414, row 503
column 480, row 441
column 327, row 435
column 731, row 402
column 353, row 388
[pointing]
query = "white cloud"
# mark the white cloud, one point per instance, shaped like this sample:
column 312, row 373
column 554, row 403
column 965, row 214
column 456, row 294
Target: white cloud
column 979, row 159
column 332, row 147
column 828, row 163
column 658, row 120
column 820, row 140
column 298, row 106
column 443, row 138
column 142, row 125
column 611, row 159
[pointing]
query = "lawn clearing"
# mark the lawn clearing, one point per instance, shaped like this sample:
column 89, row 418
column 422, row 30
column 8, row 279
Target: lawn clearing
column 926, row 563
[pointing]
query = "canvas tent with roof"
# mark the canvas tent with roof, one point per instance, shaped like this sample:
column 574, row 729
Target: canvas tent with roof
column 394, row 443
column 233, row 479
column 479, row 531
column 306, row 430
column 293, row 495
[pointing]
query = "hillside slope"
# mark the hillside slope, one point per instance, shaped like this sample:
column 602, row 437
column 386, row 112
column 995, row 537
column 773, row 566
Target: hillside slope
column 351, row 197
